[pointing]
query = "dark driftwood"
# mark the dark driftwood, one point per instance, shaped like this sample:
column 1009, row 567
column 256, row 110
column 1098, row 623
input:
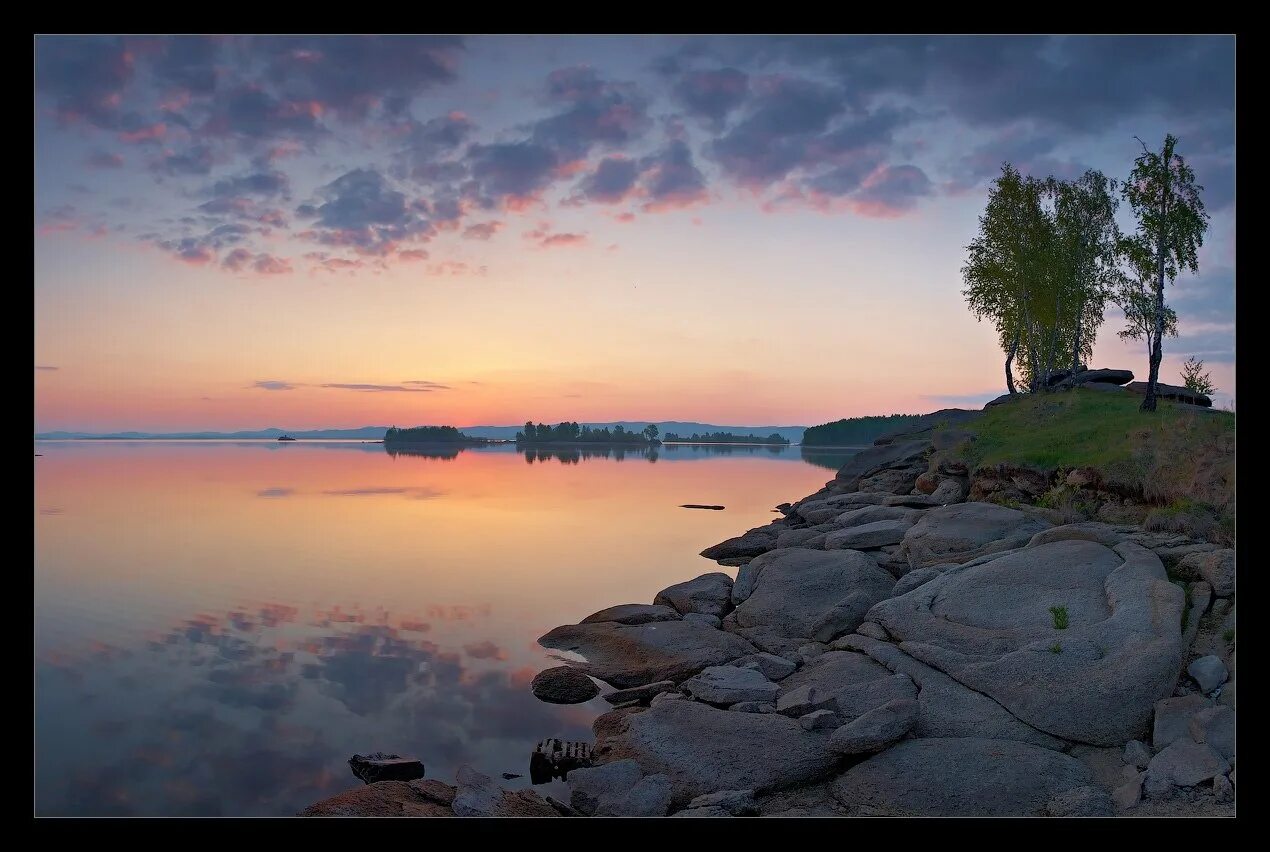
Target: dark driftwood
column 554, row 758
column 700, row 506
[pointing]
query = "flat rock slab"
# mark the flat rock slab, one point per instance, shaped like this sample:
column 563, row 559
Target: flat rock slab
column 1185, row 763
column 749, row 544
column 705, row 750
column 834, row 671
column 868, row 514
column 864, row 536
column 965, row 531
column 1173, row 392
column 797, row 593
column 633, row 614
column 959, row 777
column 634, row 655
column 726, row 685
column 990, row 626
column 708, row 594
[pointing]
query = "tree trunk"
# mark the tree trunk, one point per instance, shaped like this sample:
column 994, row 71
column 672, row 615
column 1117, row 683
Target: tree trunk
column 1080, row 315
column 1157, row 349
column 1009, row 358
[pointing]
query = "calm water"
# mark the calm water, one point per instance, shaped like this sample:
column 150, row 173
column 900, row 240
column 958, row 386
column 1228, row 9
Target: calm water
column 218, row 626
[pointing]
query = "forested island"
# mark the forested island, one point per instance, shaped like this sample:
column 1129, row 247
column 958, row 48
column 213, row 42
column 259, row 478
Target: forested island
column 724, row 438
column 855, row 431
column 431, row 435
column 572, row 433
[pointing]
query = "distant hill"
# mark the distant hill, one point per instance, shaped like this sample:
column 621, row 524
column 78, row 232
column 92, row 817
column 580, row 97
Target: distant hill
column 855, row 431
column 793, row 433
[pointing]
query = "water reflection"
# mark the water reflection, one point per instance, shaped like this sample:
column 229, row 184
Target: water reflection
column 727, row 449
column 574, row 455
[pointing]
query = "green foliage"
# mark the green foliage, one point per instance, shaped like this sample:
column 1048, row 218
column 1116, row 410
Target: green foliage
column 1195, row 378
column 1059, row 614
column 1056, row 648
column 427, row 435
column 723, row 438
column 1228, row 635
column 855, row 431
column 572, row 433
column 1171, row 222
column 650, row 432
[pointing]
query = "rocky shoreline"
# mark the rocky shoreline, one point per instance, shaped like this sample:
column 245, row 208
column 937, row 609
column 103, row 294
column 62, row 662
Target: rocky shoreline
column 895, row 644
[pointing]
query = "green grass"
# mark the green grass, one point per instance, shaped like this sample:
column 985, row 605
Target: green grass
column 1060, row 617
column 1056, row 648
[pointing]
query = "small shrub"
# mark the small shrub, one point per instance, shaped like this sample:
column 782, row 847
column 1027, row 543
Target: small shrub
column 1059, row 614
column 1228, row 635
column 1056, row 648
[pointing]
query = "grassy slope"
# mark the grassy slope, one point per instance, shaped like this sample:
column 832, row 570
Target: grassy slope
column 1182, row 461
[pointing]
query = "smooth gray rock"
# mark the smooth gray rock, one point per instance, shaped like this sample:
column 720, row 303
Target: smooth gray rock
column 749, row 544
column 796, row 538
column 709, row 594
column 948, row 492
column 634, row 655
column 633, row 614
column 959, row 777
column 964, row 531
column 1173, row 718
column 876, row 729
column 833, row 671
column 640, row 693
column 871, row 629
column 607, row 782
column 1137, row 754
column 1108, row 535
column 947, row 708
column 1209, row 672
column 705, row 750
column 912, row 580
column 871, row 514
column 667, row 696
column 864, row 536
column 858, row 700
column 876, row 459
column 1217, row 567
column 1173, row 392
column 772, row 666
column 800, row 701
column 990, row 627
column 819, row 720
column 650, row 797
column 1089, row 801
column 1128, row 794
column 1183, row 764
column 751, row 707
column 1215, row 727
column 734, row 802
column 1227, row 697
column 711, row 621
column 724, row 685
column 794, row 590
column 476, row 794
column 563, row 685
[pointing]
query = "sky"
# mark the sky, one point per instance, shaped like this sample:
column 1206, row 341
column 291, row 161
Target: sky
column 239, row 232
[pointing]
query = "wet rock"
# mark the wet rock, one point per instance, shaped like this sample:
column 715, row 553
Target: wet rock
column 709, row 594
column 1173, row 718
column 633, row 614
column 1209, row 672
column 640, row 693
column 705, row 750
column 725, row 685
column 563, row 685
column 379, row 766
column 1081, row 802
column 992, row 628
column 633, row 655
column 959, row 777
column 876, row 729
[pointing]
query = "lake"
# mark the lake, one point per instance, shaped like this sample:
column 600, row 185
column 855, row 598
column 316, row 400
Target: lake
column 219, row 626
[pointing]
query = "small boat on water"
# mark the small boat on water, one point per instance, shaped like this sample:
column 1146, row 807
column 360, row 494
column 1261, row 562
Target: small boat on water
column 285, row 438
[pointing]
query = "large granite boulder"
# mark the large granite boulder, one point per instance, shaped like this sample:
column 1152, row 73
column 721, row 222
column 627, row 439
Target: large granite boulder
column 708, row 594
column 947, row 708
column 964, row 531
column 1101, row 377
column 1173, row 392
column 959, row 777
column 994, row 627
column 799, row 594
column 866, row 463
column 706, row 750
column 633, row 655
column 633, row 614
column 751, row 543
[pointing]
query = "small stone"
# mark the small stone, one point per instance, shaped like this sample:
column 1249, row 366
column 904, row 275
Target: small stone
column 819, row 720
column 1209, row 672
column 563, row 685
column 640, row 693
column 1136, row 754
column 1128, row 794
column 772, row 666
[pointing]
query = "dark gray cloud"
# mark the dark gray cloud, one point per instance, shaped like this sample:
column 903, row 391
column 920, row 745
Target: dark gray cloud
column 265, row 184
column 195, row 160
column 271, row 385
column 242, row 260
column 46, row 367
column 431, row 141
column 275, row 492
column 361, row 211
column 84, row 76
column 104, row 160
column 612, row 179
column 188, row 63
column 252, row 112
column 672, row 179
column 482, row 230
column 712, row 94
column 511, row 169
column 597, row 112
column 892, row 191
column 404, row 387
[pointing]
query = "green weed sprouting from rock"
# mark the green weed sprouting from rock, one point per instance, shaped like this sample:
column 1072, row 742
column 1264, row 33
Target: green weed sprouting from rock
column 1228, row 635
column 1060, row 618
column 1056, row 648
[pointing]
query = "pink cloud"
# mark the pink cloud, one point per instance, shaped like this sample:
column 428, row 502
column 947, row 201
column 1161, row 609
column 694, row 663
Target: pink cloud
column 482, row 230
column 152, row 133
column 412, row 255
column 562, row 240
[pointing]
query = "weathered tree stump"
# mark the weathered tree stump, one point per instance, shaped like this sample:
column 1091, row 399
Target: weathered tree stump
column 554, row 758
